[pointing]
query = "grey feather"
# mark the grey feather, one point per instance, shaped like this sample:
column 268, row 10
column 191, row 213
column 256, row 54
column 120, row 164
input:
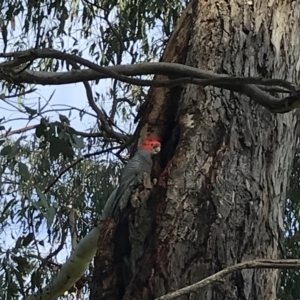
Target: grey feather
column 131, row 177
column 107, row 210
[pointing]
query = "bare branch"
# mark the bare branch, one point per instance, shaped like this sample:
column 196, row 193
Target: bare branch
column 189, row 75
column 253, row 264
column 107, row 129
column 18, row 131
column 31, row 54
column 21, row 94
column 70, row 108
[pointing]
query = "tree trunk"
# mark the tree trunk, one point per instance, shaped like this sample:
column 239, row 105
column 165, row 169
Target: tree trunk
column 221, row 199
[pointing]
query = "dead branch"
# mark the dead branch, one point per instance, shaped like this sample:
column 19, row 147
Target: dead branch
column 105, row 126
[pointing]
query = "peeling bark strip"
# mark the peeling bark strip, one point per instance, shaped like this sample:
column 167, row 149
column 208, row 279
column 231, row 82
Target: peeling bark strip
column 226, row 188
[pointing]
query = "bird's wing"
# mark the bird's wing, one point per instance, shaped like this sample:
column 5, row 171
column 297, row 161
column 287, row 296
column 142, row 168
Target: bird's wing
column 128, row 180
column 131, row 176
column 131, row 170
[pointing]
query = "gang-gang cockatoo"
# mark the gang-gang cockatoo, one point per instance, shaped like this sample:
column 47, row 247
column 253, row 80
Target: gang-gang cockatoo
column 132, row 176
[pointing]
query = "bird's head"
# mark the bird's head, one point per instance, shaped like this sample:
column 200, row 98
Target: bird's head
column 152, row 145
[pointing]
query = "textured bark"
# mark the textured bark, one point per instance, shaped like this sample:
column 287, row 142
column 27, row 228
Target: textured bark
column 226, row 186
column 104, row 276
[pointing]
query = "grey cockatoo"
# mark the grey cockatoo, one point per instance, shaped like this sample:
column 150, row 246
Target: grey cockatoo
column 132, row 176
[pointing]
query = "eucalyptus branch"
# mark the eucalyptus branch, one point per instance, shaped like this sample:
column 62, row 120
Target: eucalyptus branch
column 71, row 58
column 186, row 74
column 253, row 264
column 75, row 266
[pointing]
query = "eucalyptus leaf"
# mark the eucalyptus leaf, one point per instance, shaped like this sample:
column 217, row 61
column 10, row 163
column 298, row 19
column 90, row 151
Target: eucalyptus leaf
column 30, row 111
column 43, row 198
column 78, row 141
column 6, row 150
column 23, row 169
column 50, row 216
column 28, row 239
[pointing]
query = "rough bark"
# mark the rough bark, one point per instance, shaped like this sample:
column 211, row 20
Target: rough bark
column 224, row 197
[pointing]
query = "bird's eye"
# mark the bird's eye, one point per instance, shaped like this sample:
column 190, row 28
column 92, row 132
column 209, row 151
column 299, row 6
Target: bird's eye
column 151, row 144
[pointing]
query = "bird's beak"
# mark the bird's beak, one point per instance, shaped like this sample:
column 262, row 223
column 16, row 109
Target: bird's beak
column 156, row 150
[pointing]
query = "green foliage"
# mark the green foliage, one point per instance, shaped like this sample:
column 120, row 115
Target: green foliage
column 113, row 28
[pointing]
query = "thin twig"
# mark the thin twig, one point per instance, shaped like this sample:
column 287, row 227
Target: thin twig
column 61, row 245
column 104, row 121
column 18, row 131
column 21, row 94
